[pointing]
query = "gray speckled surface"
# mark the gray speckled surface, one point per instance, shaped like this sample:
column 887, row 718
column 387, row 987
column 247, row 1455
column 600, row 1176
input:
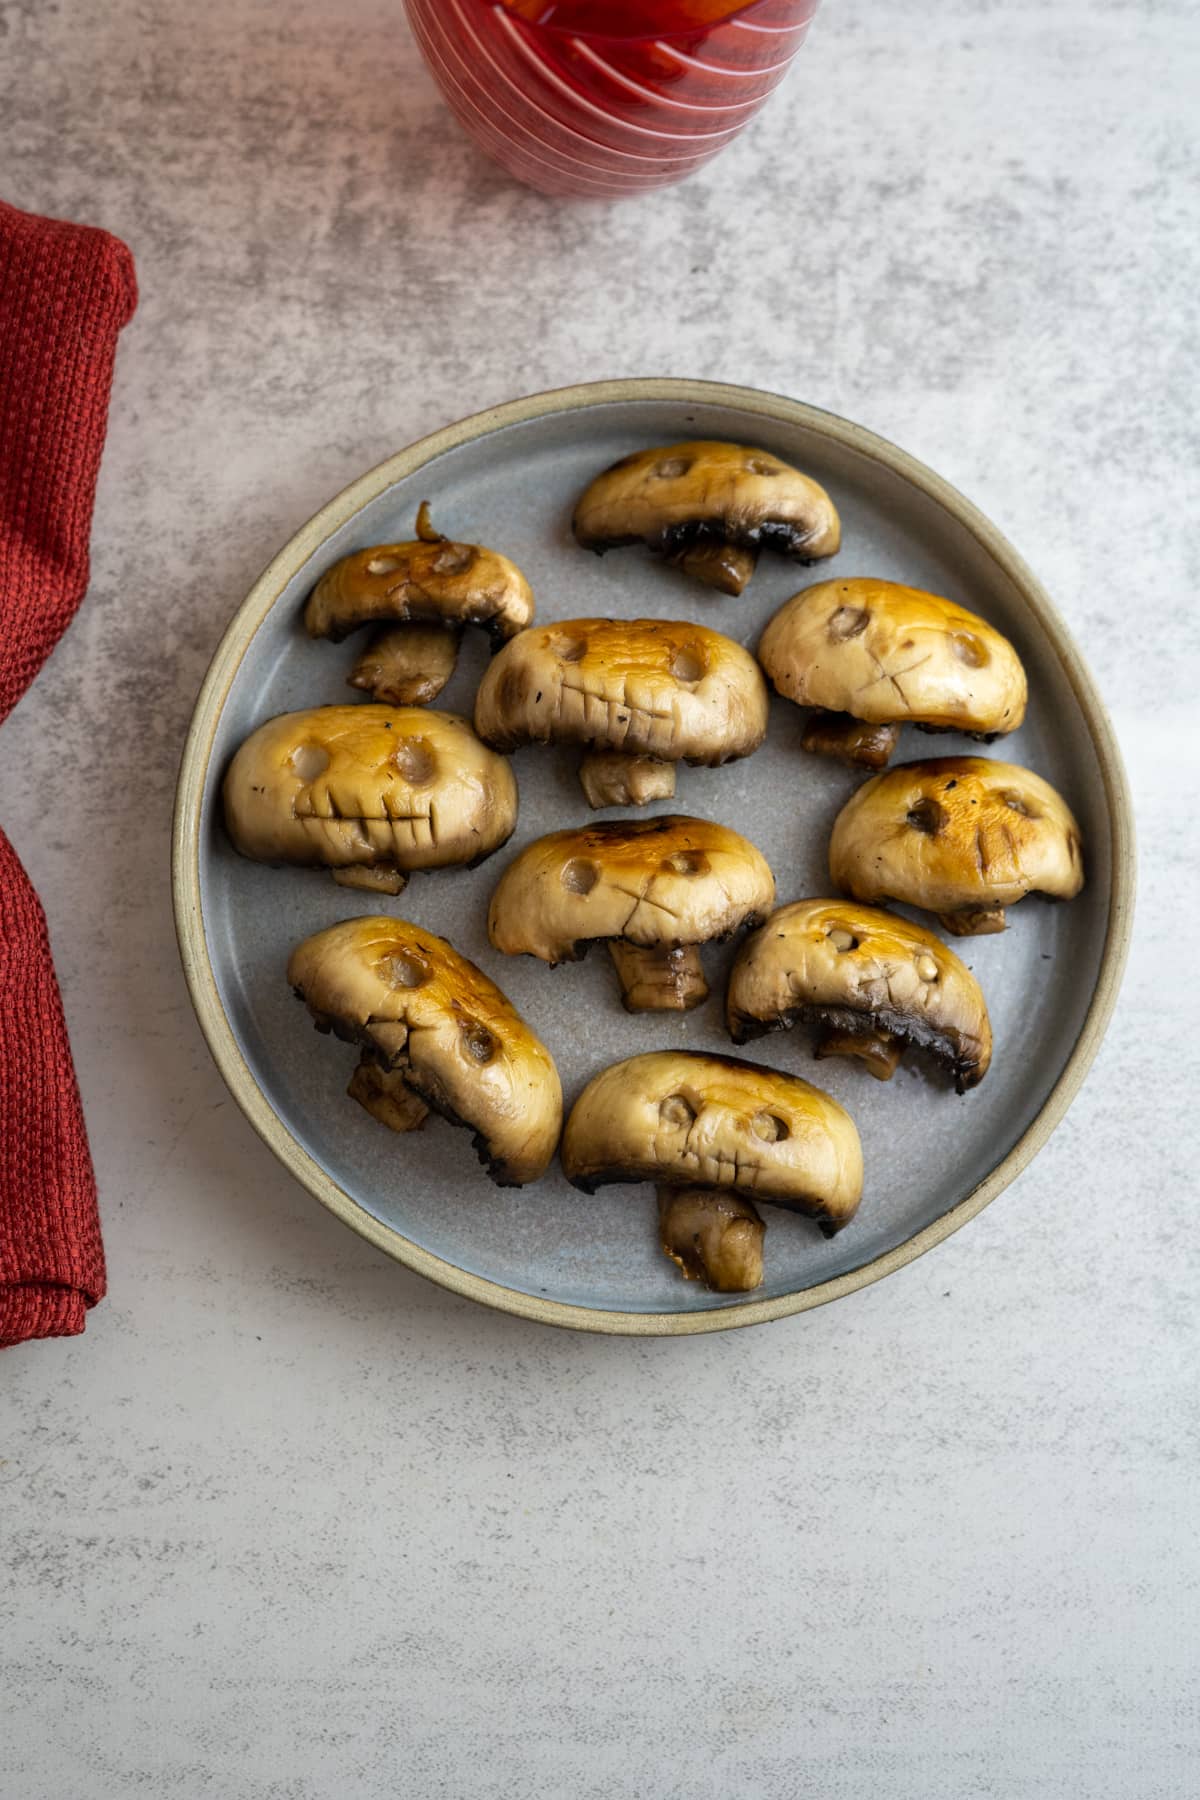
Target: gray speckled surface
column 287, row 1522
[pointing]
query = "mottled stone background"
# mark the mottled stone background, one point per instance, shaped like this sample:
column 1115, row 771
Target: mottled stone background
column 288, row 1523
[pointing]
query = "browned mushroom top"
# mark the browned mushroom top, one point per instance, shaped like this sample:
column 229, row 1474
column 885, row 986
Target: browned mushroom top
column 423, row 1010
column 839, row 962
column 384, row 788
column 888, row 653
column 676, row 1117
column 649, row 687
column 956, row 833
column 428, row 578
column 681, row 497
column 669, row 880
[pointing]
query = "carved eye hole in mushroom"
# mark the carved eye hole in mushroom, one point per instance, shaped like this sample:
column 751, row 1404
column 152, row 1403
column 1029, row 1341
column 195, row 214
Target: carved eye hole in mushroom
column 687, row 664
column 309, row 760
column 452, row 559
column 414, row 761
column 758, row 466
column 1017, row 803
column 579, row 876
column 968, row 649
column 676, row 1110
column 478, row 1042
column 672, row 467
column 842, row 940
column 567, row 648
column 848, row 622
column 384, row 565
column 404, row 970
column 685, row 862
column 926, row 815
column 769, row 1127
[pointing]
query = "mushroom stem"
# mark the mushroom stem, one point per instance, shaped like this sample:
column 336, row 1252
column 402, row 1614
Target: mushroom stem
column 878, row 1051
column 407, row 665
column 658, row 979
column 610, row 778
column 726, row 567
column 974, row 921
column 425, row 526
column 387, row 1097
column 714, row 1236
column 851, row 740
column 372, row 878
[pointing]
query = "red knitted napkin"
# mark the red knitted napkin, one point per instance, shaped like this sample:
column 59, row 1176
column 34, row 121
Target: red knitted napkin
column 65, row 293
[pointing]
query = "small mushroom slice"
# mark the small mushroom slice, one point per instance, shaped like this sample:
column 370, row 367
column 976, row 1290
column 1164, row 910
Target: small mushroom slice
column 436, row 1034
column 609, row 778
column 654, row 889
column 871, row 656
column 874, row 985
column 684, row 1120
column 407, row 665
column 709, row 507
column 369, row 792
column 651, row 691
column 961, row 836
column 712, row 1236
column 427, row 589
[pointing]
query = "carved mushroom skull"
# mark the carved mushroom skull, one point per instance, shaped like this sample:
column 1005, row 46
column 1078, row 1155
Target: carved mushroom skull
column 961, row 836
column 426, row 591
column 872, row 655
column 370, row 792
column 654, row 889
column 436, row 1033
column 873, row 983
column 650, row 691
column 709, row 507
column 734, row 1129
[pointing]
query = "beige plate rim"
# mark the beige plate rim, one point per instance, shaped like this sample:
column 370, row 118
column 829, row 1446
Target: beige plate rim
column 185, row 868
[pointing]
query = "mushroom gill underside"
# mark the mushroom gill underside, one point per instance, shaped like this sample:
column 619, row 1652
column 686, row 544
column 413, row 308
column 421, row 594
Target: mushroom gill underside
column 867, row 746
column 877, row 1036
column 391, row 1090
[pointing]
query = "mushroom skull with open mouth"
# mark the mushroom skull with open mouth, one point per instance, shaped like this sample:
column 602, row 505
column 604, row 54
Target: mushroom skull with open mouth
column 690, row 1121
column 424, row 591
column 369, row 792
column 871, row 656
column 873, row 983
column 654, row 890
column 639, row 694
column 961, row 836
column 435, row 1033
column 709, row 507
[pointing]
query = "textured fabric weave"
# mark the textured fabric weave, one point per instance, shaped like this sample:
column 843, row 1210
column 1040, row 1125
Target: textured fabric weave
column 65, row 293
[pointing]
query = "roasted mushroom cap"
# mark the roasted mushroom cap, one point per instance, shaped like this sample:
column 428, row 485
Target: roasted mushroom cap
column 370, row 792
column 680, row 1119
column 712, row 1236
column 432, row 1024
column 962, row 836
column 640, row 688
column 430, row 588
column 874, row 983
column 710, row 507
column 877, row 653
column 655, row 889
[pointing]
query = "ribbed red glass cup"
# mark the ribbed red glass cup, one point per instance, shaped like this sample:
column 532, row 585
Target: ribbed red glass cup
column 602, row 98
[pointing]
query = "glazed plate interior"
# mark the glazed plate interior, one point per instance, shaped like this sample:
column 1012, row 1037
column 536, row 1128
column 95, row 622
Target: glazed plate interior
column 510, row 483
